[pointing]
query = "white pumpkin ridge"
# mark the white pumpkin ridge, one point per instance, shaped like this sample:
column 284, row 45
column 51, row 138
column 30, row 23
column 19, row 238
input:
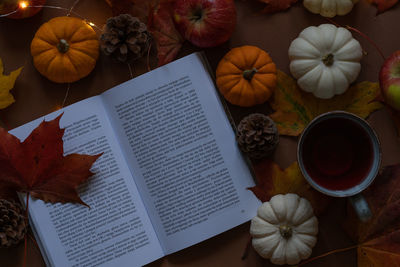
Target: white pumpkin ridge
column 329, row 8
column 325, row 60
column 284, row 229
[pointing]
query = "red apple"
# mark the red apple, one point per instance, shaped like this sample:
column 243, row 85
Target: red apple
column 205, row 23
column 8, row 6
column 389, row 79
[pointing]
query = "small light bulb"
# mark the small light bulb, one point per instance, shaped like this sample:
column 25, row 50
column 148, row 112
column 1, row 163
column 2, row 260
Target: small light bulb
column 91, row 24
column 23, row 4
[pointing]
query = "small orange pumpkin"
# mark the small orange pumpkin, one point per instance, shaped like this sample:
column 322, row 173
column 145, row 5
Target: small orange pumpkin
column 246, row 76
column 65, row 49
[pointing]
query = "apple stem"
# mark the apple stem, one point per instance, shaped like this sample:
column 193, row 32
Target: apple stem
column 197, row 15
column 362, row 34
column 248, row 74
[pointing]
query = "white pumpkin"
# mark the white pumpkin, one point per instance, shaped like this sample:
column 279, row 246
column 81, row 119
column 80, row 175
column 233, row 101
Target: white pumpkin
column 329, row 8
column 284, row 229
column 325, row 60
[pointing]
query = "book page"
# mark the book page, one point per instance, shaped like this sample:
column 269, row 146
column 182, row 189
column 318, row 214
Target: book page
column 182, row 152
column 115, row 230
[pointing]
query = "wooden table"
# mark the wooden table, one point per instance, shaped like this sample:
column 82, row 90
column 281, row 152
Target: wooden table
column 36, row 96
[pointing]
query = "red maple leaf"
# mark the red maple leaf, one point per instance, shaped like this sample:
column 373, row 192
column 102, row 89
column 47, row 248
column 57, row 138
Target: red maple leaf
column 384, row 5
column 168, row 40
column 158, row 16
column 277, row 5
column 379, row 238
column 137, row 8
column 38, row 167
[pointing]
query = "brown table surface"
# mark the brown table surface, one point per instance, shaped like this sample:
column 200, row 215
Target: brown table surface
column 36, row 96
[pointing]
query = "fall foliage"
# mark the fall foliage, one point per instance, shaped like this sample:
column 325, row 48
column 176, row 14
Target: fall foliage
column 379, row 239
column 277, row 5
column 383, row 5
column 37, row 165
column 6, row 84
column 168, row 40
column 137, row 8
column 272, row 180
column 294, row 109
column 157, row 14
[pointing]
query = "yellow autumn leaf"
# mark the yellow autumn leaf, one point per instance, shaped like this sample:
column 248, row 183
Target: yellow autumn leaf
column 6, row 84
column 272, row 180
column 294, row 108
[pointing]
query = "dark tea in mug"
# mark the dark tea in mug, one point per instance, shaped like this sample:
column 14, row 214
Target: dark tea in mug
column 337, row 153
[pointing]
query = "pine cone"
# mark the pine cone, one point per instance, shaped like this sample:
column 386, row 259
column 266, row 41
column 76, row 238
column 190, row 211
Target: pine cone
column 125, row 38
column 257, row 135
column 13, row 225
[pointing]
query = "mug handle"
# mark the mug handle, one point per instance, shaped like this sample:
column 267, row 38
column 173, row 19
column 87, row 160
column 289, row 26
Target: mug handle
column 361, row 207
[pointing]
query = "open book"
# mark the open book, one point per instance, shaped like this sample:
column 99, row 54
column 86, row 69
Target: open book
column 171, row 174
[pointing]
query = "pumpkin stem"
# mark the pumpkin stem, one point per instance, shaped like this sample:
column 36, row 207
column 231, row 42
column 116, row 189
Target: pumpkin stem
column 248, row 74
column 286, row 231
column 328, row 60
column 63, row 46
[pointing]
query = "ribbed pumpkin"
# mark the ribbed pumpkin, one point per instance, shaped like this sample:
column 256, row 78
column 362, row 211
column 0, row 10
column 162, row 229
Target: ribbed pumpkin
column 65, row 49
column 246, row 76
column 325, row 60
column 329, row 8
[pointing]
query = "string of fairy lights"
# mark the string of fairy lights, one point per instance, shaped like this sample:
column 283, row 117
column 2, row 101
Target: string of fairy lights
column 24, row 4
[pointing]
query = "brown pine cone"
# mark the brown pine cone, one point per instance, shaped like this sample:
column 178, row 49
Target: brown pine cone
column 125, row 38
column 257, row 135
column 13, row 225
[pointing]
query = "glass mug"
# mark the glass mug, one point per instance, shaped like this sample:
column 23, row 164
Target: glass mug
column 339, row 155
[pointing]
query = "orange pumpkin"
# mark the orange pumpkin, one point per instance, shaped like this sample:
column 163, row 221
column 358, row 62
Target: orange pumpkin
column 246, row 76
column 65, row 49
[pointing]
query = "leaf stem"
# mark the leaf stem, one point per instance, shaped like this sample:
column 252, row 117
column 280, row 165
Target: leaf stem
column 148, row 57
column 25, row 249
column 34, row 241
column 368, row 39
column 360, row 33
column 246, row 249
column 327, row 254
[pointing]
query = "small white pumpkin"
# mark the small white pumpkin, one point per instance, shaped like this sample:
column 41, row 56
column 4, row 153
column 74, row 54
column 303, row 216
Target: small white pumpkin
column 284, row 229
column 329, row 8
column 325, row 60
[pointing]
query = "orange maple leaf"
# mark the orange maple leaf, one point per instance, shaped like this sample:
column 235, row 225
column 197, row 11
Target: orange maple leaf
column 272, row 180
column 383, row 5
column 277, row 5
column 379, row 238
column 38, row 167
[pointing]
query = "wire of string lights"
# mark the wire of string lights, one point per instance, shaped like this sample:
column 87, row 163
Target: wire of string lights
column 25, row 4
